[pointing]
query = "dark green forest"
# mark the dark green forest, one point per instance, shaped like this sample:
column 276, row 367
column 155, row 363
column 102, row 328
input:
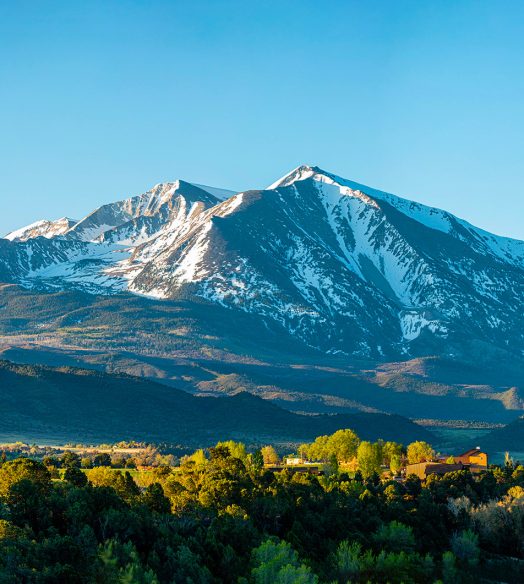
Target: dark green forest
column 222, row 516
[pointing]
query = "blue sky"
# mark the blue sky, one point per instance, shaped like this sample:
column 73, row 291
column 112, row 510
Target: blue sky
column 102, row 99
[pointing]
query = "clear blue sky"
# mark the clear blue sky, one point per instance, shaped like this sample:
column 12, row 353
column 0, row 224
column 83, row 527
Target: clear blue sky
column 102, row 99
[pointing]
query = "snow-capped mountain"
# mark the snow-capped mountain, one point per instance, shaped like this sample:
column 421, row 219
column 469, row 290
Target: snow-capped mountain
column 42, row 228
column 343, row 267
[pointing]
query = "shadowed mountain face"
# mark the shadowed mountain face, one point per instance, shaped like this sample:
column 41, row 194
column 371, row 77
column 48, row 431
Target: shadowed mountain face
column 44, row 403
column 411, row 309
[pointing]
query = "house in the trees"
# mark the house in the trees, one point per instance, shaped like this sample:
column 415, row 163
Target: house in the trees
column 473, row 460
column 424, row 469
column 294, row 461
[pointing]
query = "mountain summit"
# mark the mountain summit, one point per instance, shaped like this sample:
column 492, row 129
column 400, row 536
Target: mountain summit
column 340, row 266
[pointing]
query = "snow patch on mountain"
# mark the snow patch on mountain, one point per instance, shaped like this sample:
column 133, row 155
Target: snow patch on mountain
column 413, row 323
column 190, row 268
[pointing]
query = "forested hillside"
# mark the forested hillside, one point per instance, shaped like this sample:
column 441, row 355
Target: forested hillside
column 70, row 404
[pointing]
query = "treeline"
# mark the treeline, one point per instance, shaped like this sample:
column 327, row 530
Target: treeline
column 146, row 457
column 223, row 517
column 345, row 447
column 120, row 455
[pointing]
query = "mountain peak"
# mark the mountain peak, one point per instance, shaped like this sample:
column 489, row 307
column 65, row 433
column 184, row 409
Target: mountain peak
column 301, row 172
column 42, row 228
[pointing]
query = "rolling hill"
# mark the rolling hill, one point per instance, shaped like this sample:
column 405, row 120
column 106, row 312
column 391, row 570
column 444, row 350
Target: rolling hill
column 70, row 404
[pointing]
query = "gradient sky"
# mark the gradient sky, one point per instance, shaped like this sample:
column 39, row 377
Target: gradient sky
column 100, row 100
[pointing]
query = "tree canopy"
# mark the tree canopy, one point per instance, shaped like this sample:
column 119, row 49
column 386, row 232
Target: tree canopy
column 221, row 516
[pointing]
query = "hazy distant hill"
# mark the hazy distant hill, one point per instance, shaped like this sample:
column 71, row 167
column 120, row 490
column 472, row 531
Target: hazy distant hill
column 45, row 403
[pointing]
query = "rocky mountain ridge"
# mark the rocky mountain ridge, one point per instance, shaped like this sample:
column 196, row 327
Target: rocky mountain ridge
column 340, row 266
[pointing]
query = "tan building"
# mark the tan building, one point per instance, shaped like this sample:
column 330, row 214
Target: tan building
column 294, row 461
column 424, row 469
column 474, row 458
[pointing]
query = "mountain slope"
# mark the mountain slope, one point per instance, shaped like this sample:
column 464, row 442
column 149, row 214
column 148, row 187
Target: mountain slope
column 337, row 265
column 44, row 403
column 207, row 349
